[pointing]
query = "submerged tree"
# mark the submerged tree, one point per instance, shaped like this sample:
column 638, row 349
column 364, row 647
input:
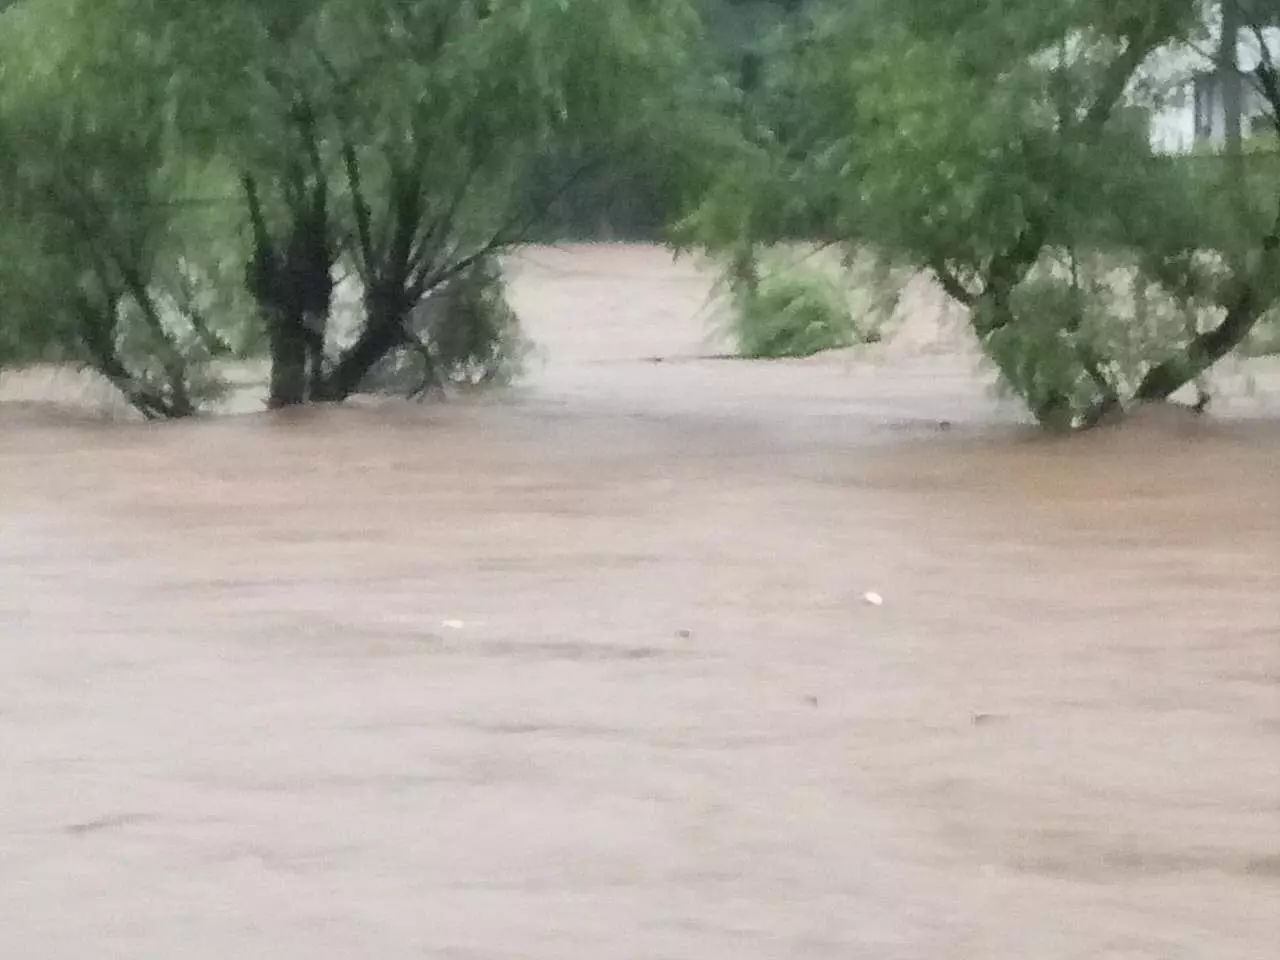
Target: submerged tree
column 397, row 143
column 1005, row 149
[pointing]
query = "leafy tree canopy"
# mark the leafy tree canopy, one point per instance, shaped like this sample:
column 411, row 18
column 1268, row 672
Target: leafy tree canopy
column 400, row 141
column 996, row 144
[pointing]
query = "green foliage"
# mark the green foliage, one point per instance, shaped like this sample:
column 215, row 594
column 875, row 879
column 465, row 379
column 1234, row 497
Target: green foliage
column 791, row 314
column 98, row 268
column 417, row 138
column 405, row 143
column 785, row 308
column 186, row 182
column 979, row 143
column 1089, row 328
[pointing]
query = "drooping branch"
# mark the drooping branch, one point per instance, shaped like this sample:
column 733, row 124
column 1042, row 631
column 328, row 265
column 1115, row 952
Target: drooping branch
column 1244, row 307
column 119, row 274
column 951, row 284
column 97, row 328
column 185, row 301
column 171, row 359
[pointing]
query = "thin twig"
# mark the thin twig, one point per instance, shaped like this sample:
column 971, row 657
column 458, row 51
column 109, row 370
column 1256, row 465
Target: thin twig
column 426, row 247
column 515, row 230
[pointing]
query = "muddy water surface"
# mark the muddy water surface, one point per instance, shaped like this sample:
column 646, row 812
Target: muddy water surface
column 586, row 670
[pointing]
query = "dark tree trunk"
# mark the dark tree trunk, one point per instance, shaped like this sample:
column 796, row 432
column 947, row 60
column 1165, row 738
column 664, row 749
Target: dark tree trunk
column 288, row 348
column 97, row 332
column 315, row 364
column 383, row 332
column 292, row 280
column 1165, row 379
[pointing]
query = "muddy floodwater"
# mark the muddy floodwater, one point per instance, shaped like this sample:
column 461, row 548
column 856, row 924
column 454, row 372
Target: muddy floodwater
column 588, row 669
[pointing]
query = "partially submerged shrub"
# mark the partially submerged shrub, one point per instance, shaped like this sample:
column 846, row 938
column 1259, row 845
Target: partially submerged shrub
column 791, row 311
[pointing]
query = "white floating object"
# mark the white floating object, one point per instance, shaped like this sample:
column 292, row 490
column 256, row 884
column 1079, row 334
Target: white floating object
column 453, row 624
column 873, row 598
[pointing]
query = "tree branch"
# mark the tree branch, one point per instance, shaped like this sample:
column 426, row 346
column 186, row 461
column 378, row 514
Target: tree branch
column 1269, row 81
column 1117, row 78
column 950, row 283
column 1206, row 349
column 406, row 204
column 171, row 359
column 99, row 340
column 515, row 230
column 364, row 232
column 87, row 217
column 430, row 374
column 426, row 248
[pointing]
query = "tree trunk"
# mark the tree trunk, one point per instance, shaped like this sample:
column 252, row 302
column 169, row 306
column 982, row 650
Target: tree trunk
column 171, row 360
column 288, row 347
column 382, row 334
column 1165, row 379
column 1231, row 81
column 98, row 336
column 292, row 282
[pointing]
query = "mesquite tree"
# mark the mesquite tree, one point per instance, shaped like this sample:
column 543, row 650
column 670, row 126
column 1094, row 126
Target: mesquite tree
column 399, row 141
column 1005, row 149
column 401, row 144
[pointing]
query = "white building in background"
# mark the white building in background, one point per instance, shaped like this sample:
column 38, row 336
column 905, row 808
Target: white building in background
column 1191, row 110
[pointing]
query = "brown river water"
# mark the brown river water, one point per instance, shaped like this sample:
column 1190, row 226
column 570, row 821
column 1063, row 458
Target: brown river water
column 587, row 669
